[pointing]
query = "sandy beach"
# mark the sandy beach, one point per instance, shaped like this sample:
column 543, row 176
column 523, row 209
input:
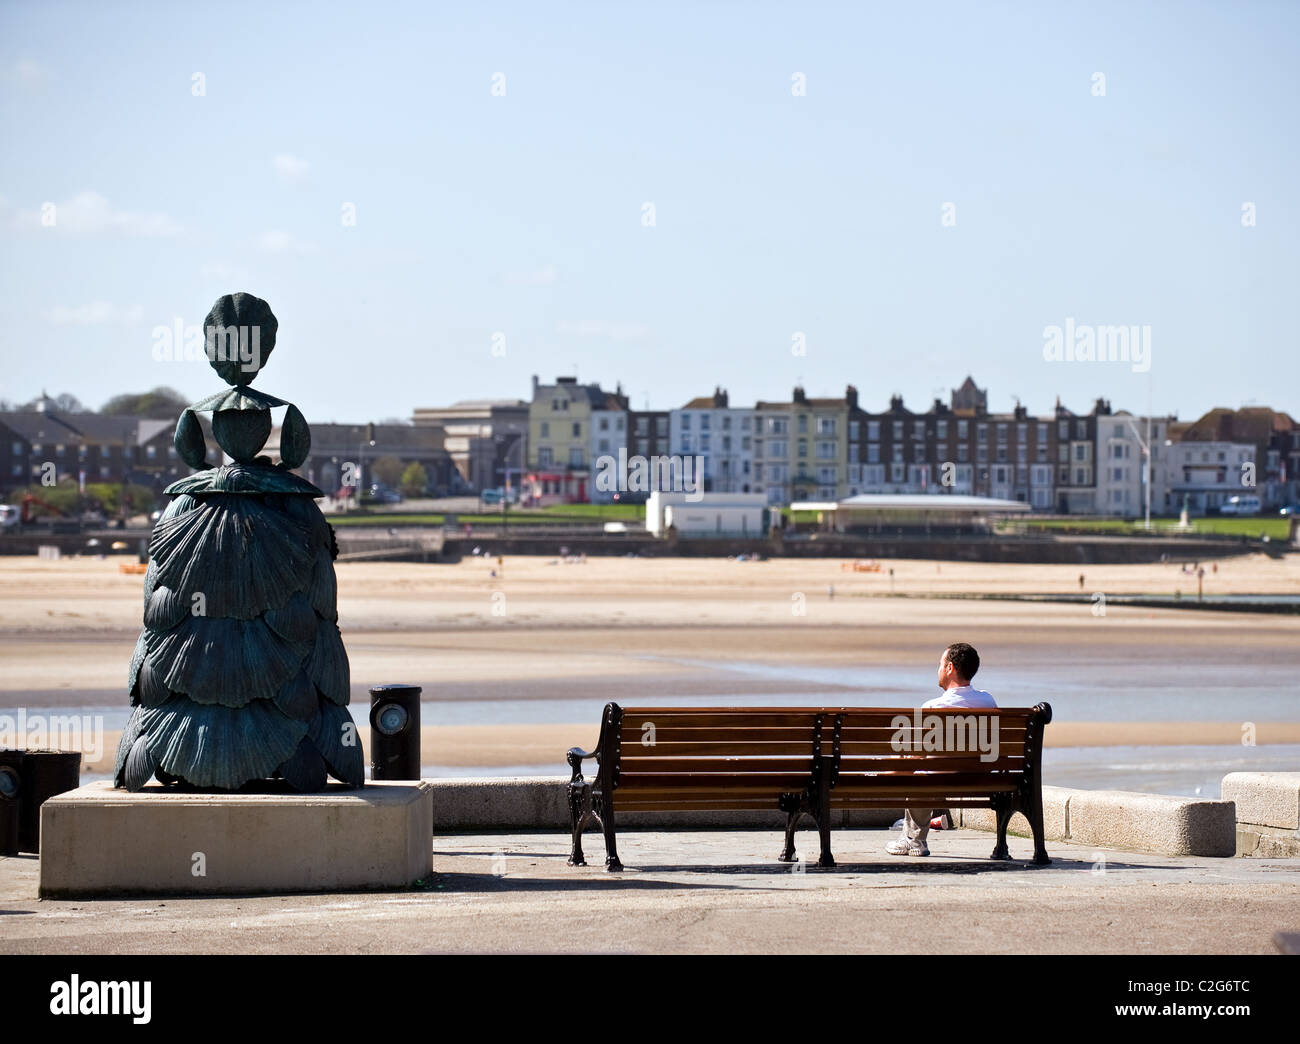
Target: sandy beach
column 520, row 659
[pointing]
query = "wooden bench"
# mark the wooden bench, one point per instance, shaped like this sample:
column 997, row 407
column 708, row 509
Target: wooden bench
column 810, row 760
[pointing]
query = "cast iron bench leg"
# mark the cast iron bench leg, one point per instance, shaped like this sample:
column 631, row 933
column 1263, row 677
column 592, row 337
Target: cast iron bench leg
column 1004, row 811
column 579, row 815
column 1035, row 816
column 788, row 854
column 612, row 863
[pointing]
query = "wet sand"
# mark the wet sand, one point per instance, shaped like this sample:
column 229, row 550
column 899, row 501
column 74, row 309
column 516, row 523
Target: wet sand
column 635, row 630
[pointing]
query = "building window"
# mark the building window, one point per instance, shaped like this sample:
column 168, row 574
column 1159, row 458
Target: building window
column 803, row 447
column 575, row 457
column 577, row 429
column 873, row 453
column 941, row 429
column 898, row 429
column 803, row 424
column 963, row 429
column 151, row 452
column 854, row 429
column 825, row 425
column 604, row 424
column 704, row 421
column 686, row 422
column 873, row 431
column 546, row 429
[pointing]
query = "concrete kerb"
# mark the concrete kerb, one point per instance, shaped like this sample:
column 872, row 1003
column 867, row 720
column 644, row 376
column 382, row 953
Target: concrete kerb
column 1268, row 812
column 1123, row 819
column 540, row 803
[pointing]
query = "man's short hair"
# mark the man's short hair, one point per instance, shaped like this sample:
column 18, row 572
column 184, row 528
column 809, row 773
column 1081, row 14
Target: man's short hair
column 964, row 658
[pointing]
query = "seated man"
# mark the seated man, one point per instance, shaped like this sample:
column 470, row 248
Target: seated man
column 957, row 666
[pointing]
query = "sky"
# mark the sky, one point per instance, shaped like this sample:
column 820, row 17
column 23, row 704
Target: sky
column 673, row 197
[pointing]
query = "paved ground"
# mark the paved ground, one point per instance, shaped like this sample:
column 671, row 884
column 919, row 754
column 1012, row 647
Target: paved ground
column 702, row 891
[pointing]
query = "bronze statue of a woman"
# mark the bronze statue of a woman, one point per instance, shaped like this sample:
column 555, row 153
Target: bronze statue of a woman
column 240, row 672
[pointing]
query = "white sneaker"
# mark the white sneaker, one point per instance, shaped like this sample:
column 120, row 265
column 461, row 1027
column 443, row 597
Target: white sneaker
column 907, row 846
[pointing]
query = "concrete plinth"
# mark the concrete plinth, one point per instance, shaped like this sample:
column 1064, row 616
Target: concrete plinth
column 97, row 841
column 1268, row 812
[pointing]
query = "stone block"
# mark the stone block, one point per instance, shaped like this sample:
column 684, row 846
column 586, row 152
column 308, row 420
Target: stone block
column 98, row 841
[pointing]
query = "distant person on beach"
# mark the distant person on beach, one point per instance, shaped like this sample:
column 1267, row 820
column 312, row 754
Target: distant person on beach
column 957, row 666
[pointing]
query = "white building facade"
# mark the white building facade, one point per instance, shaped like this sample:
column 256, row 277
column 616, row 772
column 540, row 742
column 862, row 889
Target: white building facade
column 722, row 436
column 608, row 435
column 1207, row 474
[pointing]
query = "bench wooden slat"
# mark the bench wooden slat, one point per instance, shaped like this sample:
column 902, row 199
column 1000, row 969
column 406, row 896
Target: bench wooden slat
column 895, row 763
column 673, row 748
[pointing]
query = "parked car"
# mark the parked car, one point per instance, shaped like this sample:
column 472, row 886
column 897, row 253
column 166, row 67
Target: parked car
column 9, row 516
column 495, row 496
column 381, row 494
column 1247, row 504
column 1289, row 510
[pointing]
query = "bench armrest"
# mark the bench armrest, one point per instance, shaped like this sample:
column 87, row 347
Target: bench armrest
column 575, row 757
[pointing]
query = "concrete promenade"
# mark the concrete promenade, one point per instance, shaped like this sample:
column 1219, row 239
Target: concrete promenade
column 714, row 891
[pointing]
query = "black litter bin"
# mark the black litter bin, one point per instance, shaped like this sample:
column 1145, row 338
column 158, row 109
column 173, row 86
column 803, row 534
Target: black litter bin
column 395, row 732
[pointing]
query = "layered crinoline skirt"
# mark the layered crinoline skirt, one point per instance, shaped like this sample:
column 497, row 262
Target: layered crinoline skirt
column 240, row 672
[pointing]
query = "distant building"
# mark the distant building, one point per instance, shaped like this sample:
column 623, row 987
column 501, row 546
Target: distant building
column 648, row 437
column 87, row 447
column 707, row 514
column 870, row 513
column 722, row 435
column 343, row 455
column 1121, row 464
column 561, row 469
column 485, row 438
column 1275, row 441
column 609, row 424
column 799, row 447
column 1205, row 474
column 958, row 449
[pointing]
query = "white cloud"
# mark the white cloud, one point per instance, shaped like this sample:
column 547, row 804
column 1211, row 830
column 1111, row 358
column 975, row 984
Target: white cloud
column 547, row 275
column 90, row 214
column 29, row 73
column 279, row 242
column 291, row 169
column 602, row 328
column 97, row 313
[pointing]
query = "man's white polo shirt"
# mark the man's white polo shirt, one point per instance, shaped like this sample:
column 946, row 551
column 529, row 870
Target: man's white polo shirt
column 961, row 696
